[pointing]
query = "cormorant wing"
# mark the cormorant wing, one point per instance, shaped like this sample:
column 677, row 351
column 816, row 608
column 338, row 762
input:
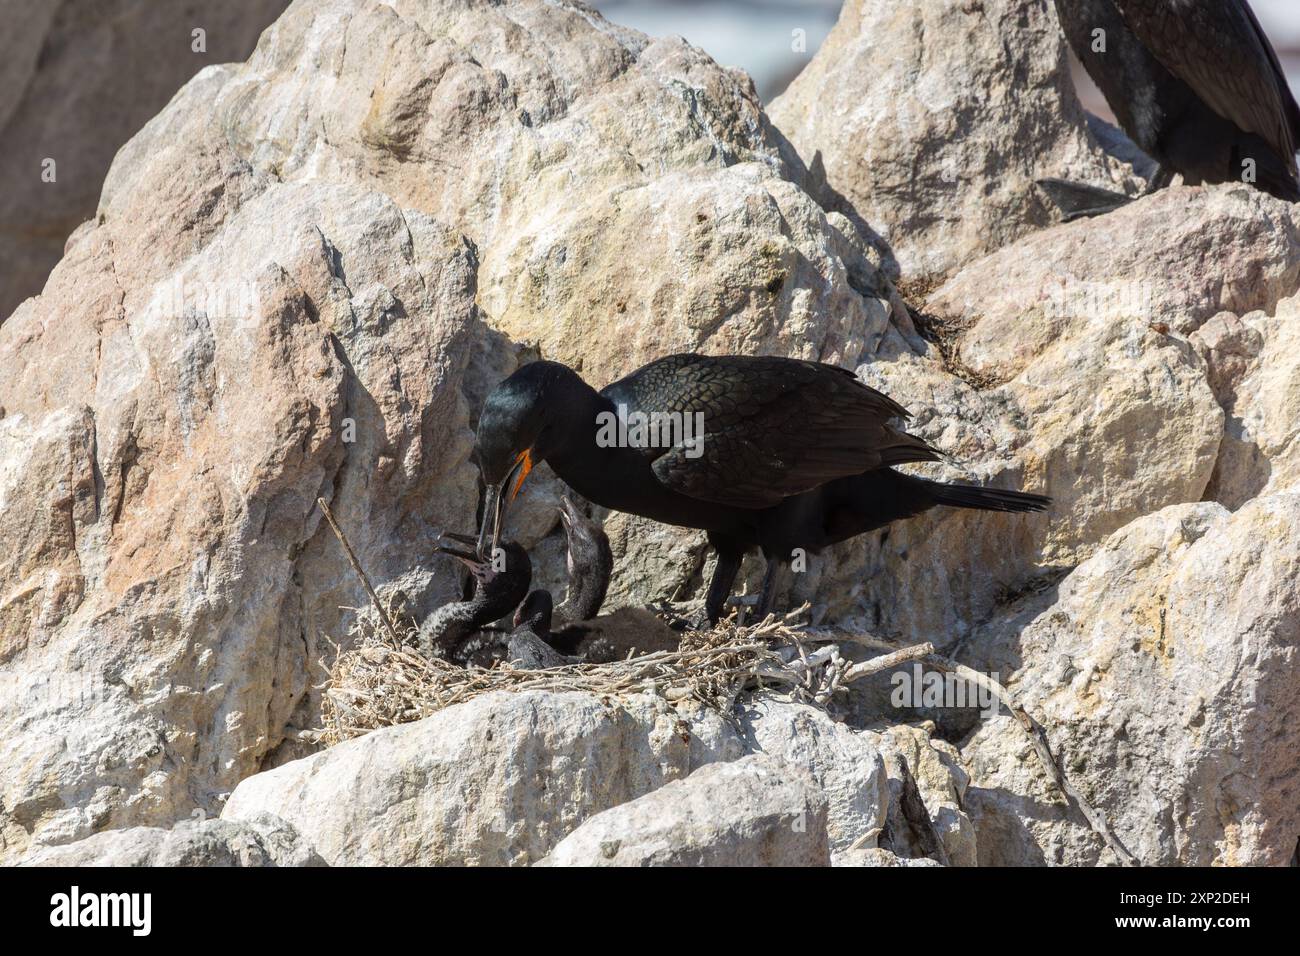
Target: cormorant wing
column 1218, row 48
column 771, row 427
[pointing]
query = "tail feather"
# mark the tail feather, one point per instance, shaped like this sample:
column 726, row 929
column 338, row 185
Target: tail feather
column 986, row 499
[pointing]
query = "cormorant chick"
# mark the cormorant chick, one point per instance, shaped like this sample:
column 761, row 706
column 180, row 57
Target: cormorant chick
column 1195, row 84
column 497, row 589
column 581, row 634
column 528, row 647
column 590, row 563
column 784, row 455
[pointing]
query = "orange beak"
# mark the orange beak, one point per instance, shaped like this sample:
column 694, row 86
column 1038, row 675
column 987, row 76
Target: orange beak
column 527, row 458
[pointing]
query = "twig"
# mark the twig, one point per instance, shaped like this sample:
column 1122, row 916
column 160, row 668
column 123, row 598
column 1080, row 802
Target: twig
column 356, row 566
column 887, row 662
column 1038, row 737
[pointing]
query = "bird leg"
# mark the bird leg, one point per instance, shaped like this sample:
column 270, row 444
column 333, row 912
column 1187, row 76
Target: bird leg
column 771, row 584
column 1163, row 177
column 724, row 577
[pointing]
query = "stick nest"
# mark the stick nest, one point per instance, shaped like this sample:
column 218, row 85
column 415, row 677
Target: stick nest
column 381, row 681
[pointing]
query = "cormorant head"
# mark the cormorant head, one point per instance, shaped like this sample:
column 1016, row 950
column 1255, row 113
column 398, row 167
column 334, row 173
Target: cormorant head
column 590, row 562
column 523, row 420
column 536, row 612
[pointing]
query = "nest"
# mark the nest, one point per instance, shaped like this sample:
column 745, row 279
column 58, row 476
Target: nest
column 383, row 680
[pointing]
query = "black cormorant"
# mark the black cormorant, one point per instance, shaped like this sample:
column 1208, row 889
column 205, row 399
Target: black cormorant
column 774, row 453
column 528, row 645
column 1195, row 84
column 590, row 563
column 581, row 633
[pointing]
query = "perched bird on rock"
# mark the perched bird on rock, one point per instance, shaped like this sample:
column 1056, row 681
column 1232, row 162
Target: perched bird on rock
column 774, row 453
column 1195, row 84
column 499, row 585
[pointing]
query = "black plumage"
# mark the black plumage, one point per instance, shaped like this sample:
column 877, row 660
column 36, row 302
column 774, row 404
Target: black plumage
column 583, row 633
column 528, row 646
column 793, row 454
column 590, row 563
column 1195, row 83
column 496, row 593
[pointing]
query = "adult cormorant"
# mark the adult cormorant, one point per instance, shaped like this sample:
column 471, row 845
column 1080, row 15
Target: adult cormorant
column 1195, row 84
column 774, row 453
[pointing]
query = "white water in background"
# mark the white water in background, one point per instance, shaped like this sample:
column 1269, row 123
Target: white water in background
column 756, row 35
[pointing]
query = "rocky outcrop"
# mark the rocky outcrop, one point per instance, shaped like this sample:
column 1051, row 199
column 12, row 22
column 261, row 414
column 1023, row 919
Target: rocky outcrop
column 263, row 840
column 77, row 79
column 569, row 150
column 162, row 460
column 753, row 812
column 279, row 299
column 877, row 857
column 937, row 145
column 306, row 272
column 1165, row 667
column 934, row 767
column 536, row 764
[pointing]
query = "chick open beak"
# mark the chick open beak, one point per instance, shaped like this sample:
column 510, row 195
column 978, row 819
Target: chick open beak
column 446, row 545
column 495, row 503
column 569, row 512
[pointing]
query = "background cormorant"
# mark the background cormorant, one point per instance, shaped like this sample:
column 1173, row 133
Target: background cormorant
column 1196, row 84
column 793, row 454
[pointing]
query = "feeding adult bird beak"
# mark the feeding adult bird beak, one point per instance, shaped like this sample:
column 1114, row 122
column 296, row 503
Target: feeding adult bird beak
column 495, row 503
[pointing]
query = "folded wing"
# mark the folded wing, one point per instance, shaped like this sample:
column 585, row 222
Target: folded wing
column 771, row 427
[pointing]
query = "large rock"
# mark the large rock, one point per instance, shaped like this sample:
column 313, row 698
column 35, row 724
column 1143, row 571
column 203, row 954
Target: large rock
column 172, row 419
column 496, row 781
column 1165, row 671
column 1086, row 332
column 1254, row 365
column 571, row 151
column 845, row 764
column 930, row 122
column 77, row 78
column 261, row 841
column 754, row 812
column 935, row 767
column 876, row 857
column 279, row 299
